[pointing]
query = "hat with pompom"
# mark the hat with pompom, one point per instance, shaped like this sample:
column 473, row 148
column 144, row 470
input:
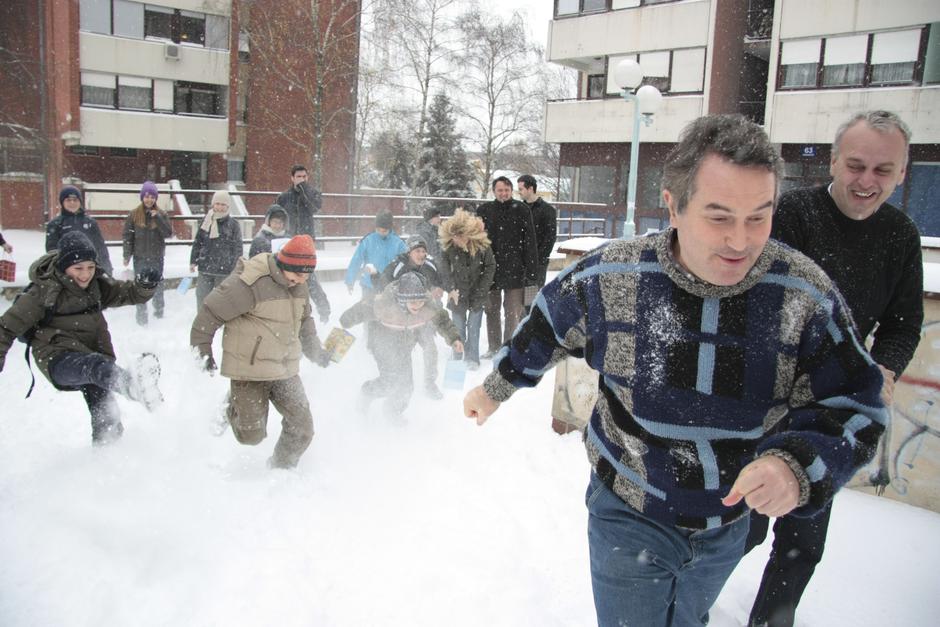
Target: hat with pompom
column 299, row 254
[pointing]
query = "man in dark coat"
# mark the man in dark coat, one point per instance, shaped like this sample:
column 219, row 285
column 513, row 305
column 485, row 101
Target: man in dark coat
column 72, row 217
column 300, row 202
column 871, row 251
column 544, row 218
column 509, row 226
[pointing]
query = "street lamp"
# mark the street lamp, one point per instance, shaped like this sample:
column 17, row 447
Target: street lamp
column 628, row 74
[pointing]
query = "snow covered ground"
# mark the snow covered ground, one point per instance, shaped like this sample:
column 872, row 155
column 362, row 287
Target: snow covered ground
column 433, row 522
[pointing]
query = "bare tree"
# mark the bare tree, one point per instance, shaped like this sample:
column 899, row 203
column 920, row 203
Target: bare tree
column 497, row 67
column 314, row 71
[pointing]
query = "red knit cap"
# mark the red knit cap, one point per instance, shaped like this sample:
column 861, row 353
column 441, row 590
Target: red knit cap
column 298, row 255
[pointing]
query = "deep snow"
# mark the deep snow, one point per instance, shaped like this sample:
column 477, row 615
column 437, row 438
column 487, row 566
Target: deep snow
column 434, row 522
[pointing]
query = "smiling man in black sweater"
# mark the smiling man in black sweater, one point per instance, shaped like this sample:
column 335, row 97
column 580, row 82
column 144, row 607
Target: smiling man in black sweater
column 871, row 250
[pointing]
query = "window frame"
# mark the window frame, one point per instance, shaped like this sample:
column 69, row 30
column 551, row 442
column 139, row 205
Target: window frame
column 867, row 83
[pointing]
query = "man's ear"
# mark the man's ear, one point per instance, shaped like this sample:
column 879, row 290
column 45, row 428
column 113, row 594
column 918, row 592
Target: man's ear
column 670, row 202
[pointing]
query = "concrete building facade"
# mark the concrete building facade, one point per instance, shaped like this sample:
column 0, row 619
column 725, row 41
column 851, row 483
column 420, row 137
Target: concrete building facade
column 799, row 67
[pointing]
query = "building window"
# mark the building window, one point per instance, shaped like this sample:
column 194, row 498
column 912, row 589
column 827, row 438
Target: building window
column 158, row 22
column 844, row 61
column 656, row 69
column 123, row 152
column 199, row 99
column 236, row 170
column 669, row 71
column 596, row 184
column 84, row 151
column 98, row 89
column 95, row 16
column 192, row 28
column 595, row 85
column 135, row 93
column 163, row 95
column 129, row 19
column 576, row 7
column 889, row 58
column 217, row 32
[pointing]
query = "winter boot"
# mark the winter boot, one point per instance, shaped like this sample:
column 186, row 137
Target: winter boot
column 432, row 391
column 142, row 385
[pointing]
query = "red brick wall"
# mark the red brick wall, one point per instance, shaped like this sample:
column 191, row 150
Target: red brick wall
column 21, row 204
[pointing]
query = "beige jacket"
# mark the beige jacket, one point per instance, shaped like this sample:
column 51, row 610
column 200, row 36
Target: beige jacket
column 267, row 323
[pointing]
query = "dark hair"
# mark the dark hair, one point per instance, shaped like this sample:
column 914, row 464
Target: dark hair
column 501, row 179
column 731, row 137
column 298, row 168
column 528, row 181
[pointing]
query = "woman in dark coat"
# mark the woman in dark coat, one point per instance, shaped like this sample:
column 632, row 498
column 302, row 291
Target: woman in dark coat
column 145, row 231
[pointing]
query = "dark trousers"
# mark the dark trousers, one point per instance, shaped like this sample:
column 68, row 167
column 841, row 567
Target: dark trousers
column 95, row 376
column 797, row 549
column 499, row 331
column 205, row 283
column 392, row 351
column 318, row 296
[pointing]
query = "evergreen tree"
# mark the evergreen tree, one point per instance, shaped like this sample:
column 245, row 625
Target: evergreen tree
column 392, row 158
column 442, row 165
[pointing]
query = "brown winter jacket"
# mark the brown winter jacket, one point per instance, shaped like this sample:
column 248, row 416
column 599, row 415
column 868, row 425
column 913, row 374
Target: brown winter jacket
column 267, row 323
column 77, row 323
column 385, row 310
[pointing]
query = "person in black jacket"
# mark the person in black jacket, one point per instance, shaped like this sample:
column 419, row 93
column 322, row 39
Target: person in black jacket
column 871, row 251
column 509, row 226
column 145, row 231
column 545, row 221
column 275, row 227
column 5, row 245
column 217, row 247
column 72, row 218
column 300, row 202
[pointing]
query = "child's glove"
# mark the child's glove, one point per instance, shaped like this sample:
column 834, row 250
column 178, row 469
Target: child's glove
column 148, row 278
column 324, row 357
column 208, row 364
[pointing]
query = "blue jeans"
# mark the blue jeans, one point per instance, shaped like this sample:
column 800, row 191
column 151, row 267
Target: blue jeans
column 646, row 574
column 468, row 324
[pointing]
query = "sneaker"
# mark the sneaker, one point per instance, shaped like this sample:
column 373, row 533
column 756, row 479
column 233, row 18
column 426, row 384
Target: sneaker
column 432, row 391
column 144, row 377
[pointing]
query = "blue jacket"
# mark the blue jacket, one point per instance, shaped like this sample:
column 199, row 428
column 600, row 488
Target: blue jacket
column 374, row 249
column 697, row 380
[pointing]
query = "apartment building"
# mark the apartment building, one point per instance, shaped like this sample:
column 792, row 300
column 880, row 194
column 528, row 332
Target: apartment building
column 799, row 67
column 120, row 91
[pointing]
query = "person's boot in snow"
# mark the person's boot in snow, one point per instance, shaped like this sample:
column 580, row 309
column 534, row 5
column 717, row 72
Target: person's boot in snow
column 432, row 391
column 143, row 380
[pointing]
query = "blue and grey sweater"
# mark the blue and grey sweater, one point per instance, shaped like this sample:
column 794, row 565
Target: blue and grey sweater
column 695, row 378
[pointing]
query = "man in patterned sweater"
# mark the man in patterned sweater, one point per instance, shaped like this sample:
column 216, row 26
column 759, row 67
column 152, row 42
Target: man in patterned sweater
column 705, row 336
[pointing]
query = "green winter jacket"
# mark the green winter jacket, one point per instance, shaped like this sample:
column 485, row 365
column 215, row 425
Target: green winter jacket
column 76, row 323
column 472, row 275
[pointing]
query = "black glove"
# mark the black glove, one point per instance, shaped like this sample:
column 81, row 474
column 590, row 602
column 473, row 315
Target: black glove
column 324, row 317
column 2, row 361
column 148, row 278
column 208, row 364
column 323, row 359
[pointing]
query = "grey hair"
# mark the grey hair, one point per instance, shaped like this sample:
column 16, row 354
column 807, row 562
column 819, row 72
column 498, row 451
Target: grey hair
column 881, row 121
column 731, row 137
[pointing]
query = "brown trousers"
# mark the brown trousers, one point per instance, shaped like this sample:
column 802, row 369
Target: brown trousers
column 248, row 414
column 498, row 331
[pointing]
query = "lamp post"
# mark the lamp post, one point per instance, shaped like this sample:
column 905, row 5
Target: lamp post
column 628, row 75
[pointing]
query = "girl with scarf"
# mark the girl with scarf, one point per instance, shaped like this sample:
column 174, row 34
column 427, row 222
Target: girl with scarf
column 218, row 245
column 145, row 231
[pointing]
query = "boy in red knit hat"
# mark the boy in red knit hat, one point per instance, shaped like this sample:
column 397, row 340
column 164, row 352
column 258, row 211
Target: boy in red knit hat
column 265, row 308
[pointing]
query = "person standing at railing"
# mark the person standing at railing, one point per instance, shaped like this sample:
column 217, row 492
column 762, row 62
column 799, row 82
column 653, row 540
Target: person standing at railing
column 301, row 202
column 145, row 231
column 871, row 251
column 217, row 247
column 7, row 247
column 72, row 218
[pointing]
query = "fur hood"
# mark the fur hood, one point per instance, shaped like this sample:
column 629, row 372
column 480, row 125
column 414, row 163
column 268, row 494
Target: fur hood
column 464, row 223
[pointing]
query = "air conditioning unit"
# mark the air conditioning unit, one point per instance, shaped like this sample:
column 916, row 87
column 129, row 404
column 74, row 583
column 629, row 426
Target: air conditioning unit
column 171, row 52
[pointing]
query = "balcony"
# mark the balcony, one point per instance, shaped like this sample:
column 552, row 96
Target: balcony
column 130, row 129
column 611, row 120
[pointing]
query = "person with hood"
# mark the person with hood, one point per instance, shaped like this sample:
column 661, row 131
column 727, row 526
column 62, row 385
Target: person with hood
column 469, row 264
column 60, row 316
column 416, row 259
column 72, row 217
column 265, row 309
column 275, row 227
column 5, row 245
column 399, row 311
column 218, row 245
column 145, row 231
column 375, row 251
column 509, row 226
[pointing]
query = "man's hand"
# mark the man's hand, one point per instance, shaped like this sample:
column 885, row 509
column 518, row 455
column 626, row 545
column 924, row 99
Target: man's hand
column 887, row 389
column 192, row 267
column 476, row 404
column 127, row 261
column 208, row 364
column 7, row 248
column 454, row 296
column 457, row 346
column 767, row 485
column 437, row 293
column 324, row 358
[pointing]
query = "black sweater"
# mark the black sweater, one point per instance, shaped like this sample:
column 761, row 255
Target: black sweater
column 876, row 263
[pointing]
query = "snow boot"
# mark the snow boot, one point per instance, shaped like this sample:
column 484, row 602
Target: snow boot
column 143, row 380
